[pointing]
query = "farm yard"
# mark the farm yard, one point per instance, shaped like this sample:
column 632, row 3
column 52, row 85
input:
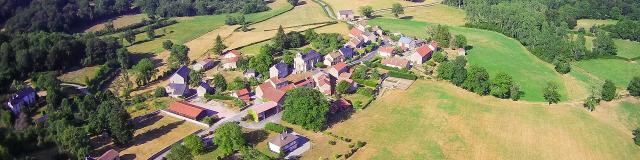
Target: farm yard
column 455, row 124
column 495, row 52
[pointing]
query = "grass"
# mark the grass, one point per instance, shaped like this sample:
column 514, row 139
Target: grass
column 119, row 22
column 253, row 49
column 149, row 106
column 163, row 132
column 440, row 14
column 626, row 49
column 338, row 5
column 436, row 120
column 79, row 76
column 617, row 70
column 630, row 113
column 588, row 23
column 307, row 13
column 495, row 52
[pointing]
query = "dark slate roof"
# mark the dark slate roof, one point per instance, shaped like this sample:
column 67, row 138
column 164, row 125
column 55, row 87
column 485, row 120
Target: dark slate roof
column 346, row 50
column 405, row 40
column 281, row 66
column 205, row 85
column 311, row 55
column 183, row 72
column 284, row 139
column 25, row 91
column 179, row 88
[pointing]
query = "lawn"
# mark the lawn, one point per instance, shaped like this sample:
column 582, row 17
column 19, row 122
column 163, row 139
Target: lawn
column 626, row 48
column 436, row 120
column 617, row 70
column 149, row 106
column 253, row 49
column 588, row 23
column 79, row 76
column 495, row 52
column 154, row 135
column 120, row 21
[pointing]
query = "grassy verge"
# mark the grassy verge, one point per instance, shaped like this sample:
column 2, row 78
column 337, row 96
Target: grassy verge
column 493, row 51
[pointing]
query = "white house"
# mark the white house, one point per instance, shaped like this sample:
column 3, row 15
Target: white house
column 203, row 89
column 279, row 70
column 284, row 142
column 385, row 51
column 346, row 15
column 178, row 83
column 25, row 96
column 305, row 62
column 396, row 62
column 230, row 58
column 337, row 69
column 333, row 58
column 423, row 53
column 203, row 65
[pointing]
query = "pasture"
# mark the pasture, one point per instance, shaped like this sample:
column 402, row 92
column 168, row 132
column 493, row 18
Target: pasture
column 436, row 120
column 119, row 22
column 79, row 76
column 495, row 52
column 376, row 4
column 588, row 23
column 439, row 13
column 619, row 71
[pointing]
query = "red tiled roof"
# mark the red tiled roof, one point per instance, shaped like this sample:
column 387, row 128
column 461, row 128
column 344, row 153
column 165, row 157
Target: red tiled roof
column 303, row 82
column 339, row 105
column 424, row 50
column 185, row 109
column 277, row 80
column 395, row 61
column 340, row 66
column 271, row 93
column 235, row 52
column 356, row 32
column 109, row 155
column 231, row 60
column 386, row 49
column 259, row 108
column 243, row 95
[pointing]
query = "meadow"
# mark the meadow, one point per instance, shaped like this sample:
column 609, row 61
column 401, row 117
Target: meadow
column 493, row 51
column 119, row 22
column 439, row 13
column 436, row 120
column 619, row 71
column 79, row 76
column 588, row 23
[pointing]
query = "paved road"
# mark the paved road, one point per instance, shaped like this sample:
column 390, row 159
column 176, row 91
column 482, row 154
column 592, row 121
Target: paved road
column 367, row 57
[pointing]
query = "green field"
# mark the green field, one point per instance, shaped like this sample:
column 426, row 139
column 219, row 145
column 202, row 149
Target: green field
column 189, row 28
column 627, row 49
column 436, row 120
column 495, row 52
column 630, row 114
column 617, row 70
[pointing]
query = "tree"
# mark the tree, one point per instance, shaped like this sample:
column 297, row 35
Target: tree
column 159, row 92
column 261, row 63
column 179, row 152
column 219, row 46
column 590, row 103
column 229, row 137
column 194, row 143
column 603, row 45
column 5, row 118
column 397, row 9
column 608, row 91
column 195, row 77
column 145, row 70
column 306, row 107
column 477, row 80
column 460, row 41
column 280, row 40
column 440, row 34
column 551, row 94
column 439, row 57
column 636, row 136
column 129, row 36
column 75, row 141
column 459, row 71
column 120, row 127
column 237, row 83
column 178, row 56
column 501, row 85
column 293, row 2
column 151, row 33
column 634, row 87
column 343, row 87
column 445, row 71
column 220, row 83
column 515, row 91
column 167, row 44
column 366, row 11
column 288, row 57
column 251, row 153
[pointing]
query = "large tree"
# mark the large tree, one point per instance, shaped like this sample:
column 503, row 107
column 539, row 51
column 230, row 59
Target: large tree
column 306, row 107
column 603, row 45
column 366, row 11
column 440, row 34
column 194, row 143
column 261, row 63
column 477, row 80
column 145, row 70
column 195, row 77
column 179, row 152
column 220, row 83
column 397, row 9
column 608, row 91
column 218, row 46
column 551, row 93
column 178, row 56
column 343, row 87
column 229, row 137
column 634, row 87
column 501, row 85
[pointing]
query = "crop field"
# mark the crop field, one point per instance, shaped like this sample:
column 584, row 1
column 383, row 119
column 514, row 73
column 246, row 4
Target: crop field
column 496, row 53
column 119, row 22
column 588, row 23
column 436, row 120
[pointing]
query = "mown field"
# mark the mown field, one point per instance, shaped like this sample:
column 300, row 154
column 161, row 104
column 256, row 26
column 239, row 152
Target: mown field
column 439, row 13
column 493, row 51
column 79, row 76
column 119, row 22
column 436, row 120
column 619, row 71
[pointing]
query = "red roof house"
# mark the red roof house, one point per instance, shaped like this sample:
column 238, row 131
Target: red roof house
column 188, row 110
column 267, row 92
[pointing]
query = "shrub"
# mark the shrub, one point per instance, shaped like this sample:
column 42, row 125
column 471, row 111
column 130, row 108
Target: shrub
column 360, row 144
column 274, row 127
column 351, row 145
column 367, row 82
column 608, row 90
column 208, row 120
column 218, row 97
column 634, row 87
column 636, row 136
column 365, row 91
column 159, row 92
column 332, row 142
column 238, row 103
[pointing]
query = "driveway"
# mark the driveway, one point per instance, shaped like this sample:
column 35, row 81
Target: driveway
column 222, row 109
column 260, row 125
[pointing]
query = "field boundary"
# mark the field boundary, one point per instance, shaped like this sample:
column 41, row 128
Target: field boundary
column 275, row 15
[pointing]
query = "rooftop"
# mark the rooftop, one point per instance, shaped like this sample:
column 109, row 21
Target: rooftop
column 283, row 139
column 185, row 109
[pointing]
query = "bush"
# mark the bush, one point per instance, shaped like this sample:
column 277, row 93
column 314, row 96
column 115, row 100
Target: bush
column 608, row 91
column 634, row 87
column 238, row 103
column 209, row 120
column 365, row 91
column 332, row 142
column 274, row 127
column 367, row 82
column 360, row 144
column 636, row 136
column 218, row 97
column 402, row 75
column 159, row 92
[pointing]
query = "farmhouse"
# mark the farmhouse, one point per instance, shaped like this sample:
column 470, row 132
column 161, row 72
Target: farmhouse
column 406, row 43
column 396, row 62
column 377, row 30
column 277, row 82
column 333, row 58
column 346, row 52
column 178, row 83
column 279, row 70
column 285, row 142
column 25, row 96
column 354, row 43
column 423, row 53
column 203, row 65
column 230, row 58
column 356, row 33
column 264, row 110
column 243, row 94
column 306, row 62
column 250, row 73
column 362, row 25
column 346, row 15
column 385, row 51
column 337, row 69
column 267, row 92
column 203, row 89
column 307, row 82
column 323, row 82
column 187, row 110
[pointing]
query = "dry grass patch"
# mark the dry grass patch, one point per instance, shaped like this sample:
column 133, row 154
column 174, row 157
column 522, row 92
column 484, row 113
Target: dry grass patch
column 588, row 23
column 341, row 28
column 440, row 14
column 376, row 4
column 119, row 22
column 307, row 13
column 79, row 76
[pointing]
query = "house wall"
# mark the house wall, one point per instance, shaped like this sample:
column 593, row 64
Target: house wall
column 177, row 79
column 274, row 148
column 231, row 65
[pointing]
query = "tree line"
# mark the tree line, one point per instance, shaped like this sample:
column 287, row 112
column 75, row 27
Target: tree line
column 172, row 8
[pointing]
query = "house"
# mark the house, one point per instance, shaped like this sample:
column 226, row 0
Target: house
column 187, row 110
column 111, row 154
column 355, row 43
column 25, row 96
column 230, row 59
column 243, row 94
column 179, row 83
column 396, row 62
column 266, row 92
column 406, row 42
column 287, row 87
column 203, row 89
column 377, row 30
column 333, row 58
column 203, row 65
column 264, row 110
column 339, row 105
column 423, row 53
column 285, row 142
column 346, row 52
column 362, row 25
column 307, row 82
column 277, row 82
column 356, row 33
column 461, row 52
column 324, row 83
column 369, row 37
column 279, row 70
column 306, row 62
column 346, row 15
column 250, row 73
column 337, row 69
column 385, row 51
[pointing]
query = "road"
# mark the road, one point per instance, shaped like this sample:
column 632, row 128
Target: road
column 80, row 88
